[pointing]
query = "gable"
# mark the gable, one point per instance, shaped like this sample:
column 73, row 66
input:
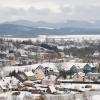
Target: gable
column 87, row 67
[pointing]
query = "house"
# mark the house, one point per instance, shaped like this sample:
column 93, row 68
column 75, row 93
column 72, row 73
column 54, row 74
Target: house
column 3, row 88
column 30, row 75
column 51, row 89
column 87, row 68
column 19, row 75
column 39, row 73
column 74, row 69
column 93, row 76
column 79, row 77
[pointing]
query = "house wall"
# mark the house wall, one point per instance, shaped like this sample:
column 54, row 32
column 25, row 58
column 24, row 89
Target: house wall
column 39, row 74
column 93, row 76
column 77, row 77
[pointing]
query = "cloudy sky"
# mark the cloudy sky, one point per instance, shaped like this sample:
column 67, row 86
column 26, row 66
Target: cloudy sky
column 49, row 10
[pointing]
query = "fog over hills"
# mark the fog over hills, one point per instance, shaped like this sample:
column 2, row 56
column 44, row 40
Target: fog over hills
column 24, row 28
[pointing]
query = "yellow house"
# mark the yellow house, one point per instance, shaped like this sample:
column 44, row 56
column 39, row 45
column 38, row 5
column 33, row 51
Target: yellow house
column 39, row 74
column 78, row 77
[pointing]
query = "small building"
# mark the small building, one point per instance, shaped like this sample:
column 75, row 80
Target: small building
column 30, row 75
column 87, row 68
column 79, row 77
column 21, row 76
column 93, row 76
column 51, row 89
column 3, row 88
column 74, row 69
column 39, row 73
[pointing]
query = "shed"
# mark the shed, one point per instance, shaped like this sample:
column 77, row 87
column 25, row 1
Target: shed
column 51, row 89
column 30, row 75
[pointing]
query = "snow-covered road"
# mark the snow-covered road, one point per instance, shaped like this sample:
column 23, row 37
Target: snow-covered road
column 29, row 96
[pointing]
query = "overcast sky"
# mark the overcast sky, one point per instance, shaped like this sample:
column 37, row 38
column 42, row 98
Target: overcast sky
column 49, row 10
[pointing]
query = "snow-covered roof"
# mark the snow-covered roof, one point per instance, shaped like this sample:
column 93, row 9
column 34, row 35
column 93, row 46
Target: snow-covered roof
column 29, row 73
column 52, row 88
column 21, row 68
column 93, row 73
column 96, row 53
column 30, row 67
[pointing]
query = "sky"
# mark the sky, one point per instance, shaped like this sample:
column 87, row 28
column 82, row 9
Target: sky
column 49, row 10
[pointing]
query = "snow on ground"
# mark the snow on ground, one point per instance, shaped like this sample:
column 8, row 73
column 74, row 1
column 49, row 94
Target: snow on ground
column 42, row 38
column 80, row 86
column 65, row 65
column 96, row 97
column 19, row 39
column 8, row 69
column 83, row 96
column 29, row 96
column 23, row 96
column 75, row 37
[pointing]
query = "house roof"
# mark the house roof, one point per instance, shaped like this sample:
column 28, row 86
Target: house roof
column 52, row 88
column 90, row 73
column 96, row 53
column 68, row 65
column 80, row 73
column 29, row 73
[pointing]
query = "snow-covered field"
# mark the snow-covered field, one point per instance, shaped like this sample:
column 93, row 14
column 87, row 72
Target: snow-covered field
column 84, row 96
column 6, row 70
column 23, row 96
column 29, row 96
column 58, row 37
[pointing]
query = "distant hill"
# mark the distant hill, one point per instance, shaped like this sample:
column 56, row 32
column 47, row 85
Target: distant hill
column 23, row 28
column 70, row 23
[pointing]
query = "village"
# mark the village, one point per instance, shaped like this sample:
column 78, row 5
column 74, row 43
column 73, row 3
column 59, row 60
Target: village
column 49, row 68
